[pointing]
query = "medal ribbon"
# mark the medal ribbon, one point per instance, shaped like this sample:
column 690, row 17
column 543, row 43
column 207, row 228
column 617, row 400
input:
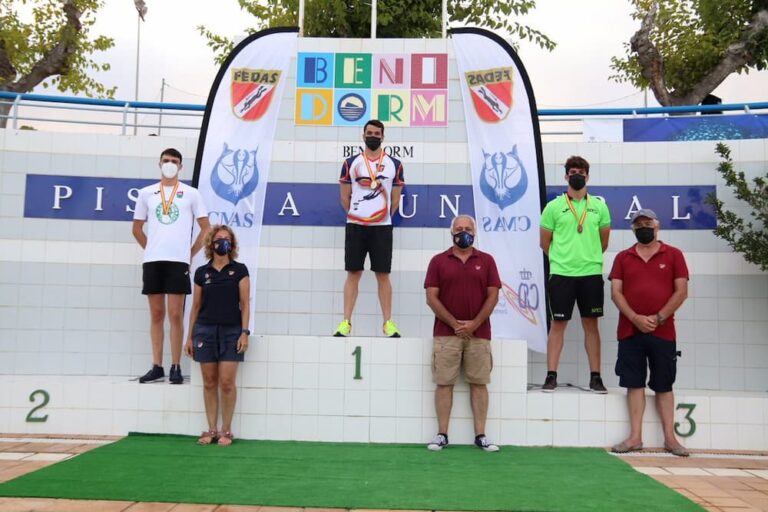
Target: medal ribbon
column 372, row 173
column 583, row 217
column 167, row 204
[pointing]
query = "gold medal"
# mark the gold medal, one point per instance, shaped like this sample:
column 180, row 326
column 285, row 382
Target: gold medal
column 373, row 173
column 580, row 220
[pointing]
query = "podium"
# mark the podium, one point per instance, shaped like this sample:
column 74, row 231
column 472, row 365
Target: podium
column 376, row 390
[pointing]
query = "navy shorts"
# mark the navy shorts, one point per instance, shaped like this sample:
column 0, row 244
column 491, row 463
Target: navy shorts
column 565, row 291
column 216, row 343
column 375, row 241
column 641, row 352
column 165, row 277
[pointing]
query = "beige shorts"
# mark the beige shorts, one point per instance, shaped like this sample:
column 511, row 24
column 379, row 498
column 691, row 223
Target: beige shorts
column 447, row 355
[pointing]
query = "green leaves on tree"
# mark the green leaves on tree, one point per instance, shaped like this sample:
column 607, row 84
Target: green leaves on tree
column 53, row 47
column 395, row 18
column 746, row 236
column 684, row 49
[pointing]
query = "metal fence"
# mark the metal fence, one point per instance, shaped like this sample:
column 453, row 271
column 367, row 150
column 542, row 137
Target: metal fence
column 124, row 115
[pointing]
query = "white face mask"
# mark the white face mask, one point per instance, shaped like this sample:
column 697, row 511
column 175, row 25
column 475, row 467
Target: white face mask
column 169, row 170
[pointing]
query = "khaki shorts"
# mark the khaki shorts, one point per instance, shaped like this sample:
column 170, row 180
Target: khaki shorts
column 447, row 355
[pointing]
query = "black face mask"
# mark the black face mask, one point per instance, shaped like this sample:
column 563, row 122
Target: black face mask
column 644, row 235
column 222, row 247
column 577, row 181
column 464, row 239
column 373, row 143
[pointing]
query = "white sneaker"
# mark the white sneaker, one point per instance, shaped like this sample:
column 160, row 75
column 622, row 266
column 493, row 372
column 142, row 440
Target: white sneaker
column 485, row 444
column 438, row 443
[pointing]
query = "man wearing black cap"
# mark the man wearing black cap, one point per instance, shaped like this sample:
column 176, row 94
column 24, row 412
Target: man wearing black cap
column 649, row 282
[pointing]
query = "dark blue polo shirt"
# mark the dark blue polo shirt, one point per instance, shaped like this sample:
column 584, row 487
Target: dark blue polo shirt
column 220, row 293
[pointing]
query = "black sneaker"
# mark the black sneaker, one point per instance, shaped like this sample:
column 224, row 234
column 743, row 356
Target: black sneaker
column 550, row 384
column 596, row 385
column 154, row 374
column 175, row 374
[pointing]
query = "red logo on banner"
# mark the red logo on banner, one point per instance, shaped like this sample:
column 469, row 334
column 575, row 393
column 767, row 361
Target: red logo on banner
column 491, row 91
column 252, row 91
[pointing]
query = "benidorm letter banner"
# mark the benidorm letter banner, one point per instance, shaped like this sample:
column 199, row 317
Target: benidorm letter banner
column 235, row 145
column 507, row 178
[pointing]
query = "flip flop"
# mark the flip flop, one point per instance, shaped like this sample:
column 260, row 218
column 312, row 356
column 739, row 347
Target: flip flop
column 679, row 450
column 623, row 447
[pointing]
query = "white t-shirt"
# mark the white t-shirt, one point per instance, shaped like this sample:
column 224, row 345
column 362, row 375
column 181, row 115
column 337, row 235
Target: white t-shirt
column 169, row 237
column 370, row 206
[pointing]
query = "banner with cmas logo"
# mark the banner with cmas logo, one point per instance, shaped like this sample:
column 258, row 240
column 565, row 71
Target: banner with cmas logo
column 235, row 145
column 507, row 178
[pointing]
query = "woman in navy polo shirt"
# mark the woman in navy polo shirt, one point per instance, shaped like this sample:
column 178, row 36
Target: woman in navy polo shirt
column 218, row 330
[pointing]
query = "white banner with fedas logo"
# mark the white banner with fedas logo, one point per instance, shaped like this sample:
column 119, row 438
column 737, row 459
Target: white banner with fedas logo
column 235, row 146
column 507, row 178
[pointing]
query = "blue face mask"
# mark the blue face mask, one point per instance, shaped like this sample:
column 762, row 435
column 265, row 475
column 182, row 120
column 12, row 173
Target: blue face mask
column 222, row 247
column 464, row 239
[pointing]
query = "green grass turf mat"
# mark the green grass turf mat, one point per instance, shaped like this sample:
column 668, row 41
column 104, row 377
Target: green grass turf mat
column 345, row 475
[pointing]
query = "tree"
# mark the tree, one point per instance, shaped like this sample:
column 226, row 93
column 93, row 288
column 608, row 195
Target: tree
column 53, row 48
column 684, row 49
column 750, row 237
column 395, row 18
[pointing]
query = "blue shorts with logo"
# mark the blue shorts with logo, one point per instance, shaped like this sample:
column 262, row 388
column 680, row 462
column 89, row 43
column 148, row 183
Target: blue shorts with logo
column 216, row 343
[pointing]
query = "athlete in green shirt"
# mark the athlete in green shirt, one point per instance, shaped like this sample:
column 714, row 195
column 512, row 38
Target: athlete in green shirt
column 575, row 228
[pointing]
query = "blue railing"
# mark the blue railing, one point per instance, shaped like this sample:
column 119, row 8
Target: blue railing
column 576, row 112
column 624, row 111
column 100, row 102
column 128, row 107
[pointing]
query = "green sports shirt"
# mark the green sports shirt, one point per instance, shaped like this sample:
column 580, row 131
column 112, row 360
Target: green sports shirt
column 572, row 253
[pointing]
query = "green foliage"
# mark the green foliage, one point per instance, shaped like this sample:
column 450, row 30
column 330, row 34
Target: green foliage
column 692, row 37
column 52, row 47
column 748, row 237
column 395, row 18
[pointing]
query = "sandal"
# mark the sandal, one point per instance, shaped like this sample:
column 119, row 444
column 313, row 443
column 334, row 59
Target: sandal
column 207, row 437
column 225, row 438
column 623, row 447
column 679, row 450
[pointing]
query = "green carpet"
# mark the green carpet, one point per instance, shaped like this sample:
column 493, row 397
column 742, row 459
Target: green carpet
column 343, row 475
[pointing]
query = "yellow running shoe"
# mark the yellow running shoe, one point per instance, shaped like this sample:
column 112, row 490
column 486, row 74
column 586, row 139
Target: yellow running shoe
column 343, row 329
column 391, row 330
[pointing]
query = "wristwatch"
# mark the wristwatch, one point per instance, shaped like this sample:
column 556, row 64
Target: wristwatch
column 246, row 332
column 660, row 319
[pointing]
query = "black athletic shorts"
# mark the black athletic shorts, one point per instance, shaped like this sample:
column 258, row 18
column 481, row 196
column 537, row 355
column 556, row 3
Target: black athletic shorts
column 215, row 343
column 165, row 277
column 564, row 291
column 374, row 240
column 643, row 351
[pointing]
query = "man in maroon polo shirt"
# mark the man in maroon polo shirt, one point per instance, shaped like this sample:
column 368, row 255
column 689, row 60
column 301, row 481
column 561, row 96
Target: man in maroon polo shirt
column 649, row 282
column 462, row 286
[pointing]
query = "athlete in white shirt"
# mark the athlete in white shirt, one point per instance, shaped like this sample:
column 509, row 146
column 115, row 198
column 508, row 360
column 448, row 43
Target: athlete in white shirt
column 169, row 209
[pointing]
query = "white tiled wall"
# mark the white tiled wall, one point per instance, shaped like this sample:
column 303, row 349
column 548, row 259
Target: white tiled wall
column 303, row 388
column 70, row 299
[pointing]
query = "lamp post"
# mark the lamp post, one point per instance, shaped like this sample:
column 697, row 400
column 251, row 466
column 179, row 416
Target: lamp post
column 141, row 9
column 136, row 88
